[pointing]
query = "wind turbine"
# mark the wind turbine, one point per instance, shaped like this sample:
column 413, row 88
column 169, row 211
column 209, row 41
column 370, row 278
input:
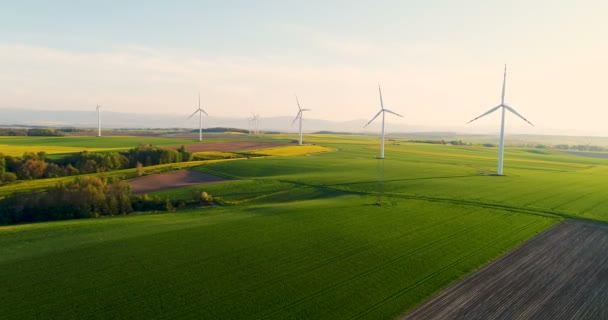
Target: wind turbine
column 299, row 116
column 382, row 111
column 98, row 121
column 200, row 118
column 256, row 122
column 502, row 121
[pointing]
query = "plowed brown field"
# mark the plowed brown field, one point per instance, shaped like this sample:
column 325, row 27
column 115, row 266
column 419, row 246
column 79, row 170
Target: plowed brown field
column 170, row 180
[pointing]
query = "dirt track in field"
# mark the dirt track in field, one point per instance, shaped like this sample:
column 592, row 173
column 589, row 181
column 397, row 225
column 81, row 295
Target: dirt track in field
column 233, row 146
column 560, row 274
column 170, row 180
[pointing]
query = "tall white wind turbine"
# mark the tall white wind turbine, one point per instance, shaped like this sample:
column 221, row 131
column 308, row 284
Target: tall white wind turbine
column 502, row 106
column 382, row 111
column 98, row 121
column 299, row 116
column 200, row 118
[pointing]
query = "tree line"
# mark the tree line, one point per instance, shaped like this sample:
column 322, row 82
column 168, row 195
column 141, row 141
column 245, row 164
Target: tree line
column 87, row 197
column 38, row 165
column 40, row 132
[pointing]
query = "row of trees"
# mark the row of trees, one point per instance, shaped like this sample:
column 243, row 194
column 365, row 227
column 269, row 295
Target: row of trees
column 87, row 197
column 30, row 132
column 83, row 198
column 38, row 165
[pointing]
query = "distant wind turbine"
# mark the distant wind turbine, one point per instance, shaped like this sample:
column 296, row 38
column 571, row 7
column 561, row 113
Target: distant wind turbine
column 256, row 122
column 98, row 121
column 200, row 118
column 502, row 122
column 299, row 116
column 382, row 111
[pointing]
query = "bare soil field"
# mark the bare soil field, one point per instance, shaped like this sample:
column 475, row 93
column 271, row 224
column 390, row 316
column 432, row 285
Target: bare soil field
column 233, row 146
column 170, row 180
column 560, row 274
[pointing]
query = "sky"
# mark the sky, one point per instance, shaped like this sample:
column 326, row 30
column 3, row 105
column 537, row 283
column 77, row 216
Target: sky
column 440, row 63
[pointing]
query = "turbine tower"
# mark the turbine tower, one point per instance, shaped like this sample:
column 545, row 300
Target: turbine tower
column 254, row 123
column 98, row 121
column 299, row 116
column 502, row 106
column 257, row 123
column 200, row 118
column 382, row 111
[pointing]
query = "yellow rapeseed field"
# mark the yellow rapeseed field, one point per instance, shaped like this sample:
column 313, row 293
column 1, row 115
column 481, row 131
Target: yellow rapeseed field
column 292, row 150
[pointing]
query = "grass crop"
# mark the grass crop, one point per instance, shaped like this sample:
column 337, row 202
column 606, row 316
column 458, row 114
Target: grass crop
column 326, row 258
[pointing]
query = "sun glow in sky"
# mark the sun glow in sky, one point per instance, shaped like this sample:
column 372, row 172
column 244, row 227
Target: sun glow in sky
column 439, row 63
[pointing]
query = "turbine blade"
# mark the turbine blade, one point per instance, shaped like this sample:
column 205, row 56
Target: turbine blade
column 374, row 118
column 519, row 115
column 488, row 112
column 298, row 101
column 306, row 109
column 381, row 102
column 389, row 111
column 204, row 112
column 297, row 117
column 193, row 114
column 504, row 81
column 199, row 100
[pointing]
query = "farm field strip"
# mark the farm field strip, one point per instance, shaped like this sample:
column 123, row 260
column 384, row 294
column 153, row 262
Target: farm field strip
column 451, row 185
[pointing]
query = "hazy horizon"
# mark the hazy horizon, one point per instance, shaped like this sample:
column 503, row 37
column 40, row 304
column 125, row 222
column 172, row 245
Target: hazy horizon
column 440, row 63
column 125, row 120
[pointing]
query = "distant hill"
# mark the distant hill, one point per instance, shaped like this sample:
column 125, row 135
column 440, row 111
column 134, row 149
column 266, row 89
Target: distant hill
column 114, row 120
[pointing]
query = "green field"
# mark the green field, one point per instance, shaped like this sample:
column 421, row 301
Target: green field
column 301, row 237
column 15, row 146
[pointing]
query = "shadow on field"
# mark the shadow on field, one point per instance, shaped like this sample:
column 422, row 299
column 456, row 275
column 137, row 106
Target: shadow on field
column 405, row 179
